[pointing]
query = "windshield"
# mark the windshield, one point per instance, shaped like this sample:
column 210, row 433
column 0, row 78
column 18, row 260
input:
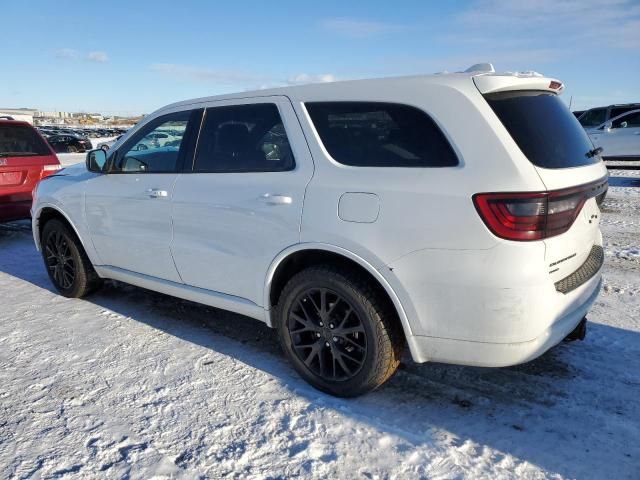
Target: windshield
column 546, row 131
column 21, row 141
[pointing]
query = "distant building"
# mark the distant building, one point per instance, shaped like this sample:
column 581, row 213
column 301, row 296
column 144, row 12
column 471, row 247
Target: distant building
column 23, row 114
column 53, row 115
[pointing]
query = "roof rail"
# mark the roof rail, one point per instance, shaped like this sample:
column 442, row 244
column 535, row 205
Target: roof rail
column 6, row 117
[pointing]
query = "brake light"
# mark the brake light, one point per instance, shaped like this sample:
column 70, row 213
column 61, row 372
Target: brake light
column 530, row 216
column 49, row 170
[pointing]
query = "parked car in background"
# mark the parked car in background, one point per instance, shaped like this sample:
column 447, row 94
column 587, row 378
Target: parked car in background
column 456, row 214
column 595, row 117
column 619, row 138
column 107, row 145
column 25, row 158
column 68, row 143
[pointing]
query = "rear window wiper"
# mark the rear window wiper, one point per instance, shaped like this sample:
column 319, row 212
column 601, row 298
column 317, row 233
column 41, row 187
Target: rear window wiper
column 594, row 152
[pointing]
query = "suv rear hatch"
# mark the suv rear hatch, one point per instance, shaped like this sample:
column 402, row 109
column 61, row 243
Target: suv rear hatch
column 25, row 158
column 552, row 139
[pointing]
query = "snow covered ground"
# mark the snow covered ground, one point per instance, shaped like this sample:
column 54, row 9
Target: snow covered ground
column 132, row 384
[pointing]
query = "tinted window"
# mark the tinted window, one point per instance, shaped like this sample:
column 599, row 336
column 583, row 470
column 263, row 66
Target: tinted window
column 243, row 138
column 21, row 141
column 615, row 111
column 594, row 117
column 371, row 134
column 156, row 148
column 631, row 120
column 544, row 128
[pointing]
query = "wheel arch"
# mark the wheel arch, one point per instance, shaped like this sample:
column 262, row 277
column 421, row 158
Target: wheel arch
column 48, row 212
column 297, row 257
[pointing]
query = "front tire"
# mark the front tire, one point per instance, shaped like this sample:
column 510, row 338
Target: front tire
column 67, row 264
column 338, row 332
column 72, row 149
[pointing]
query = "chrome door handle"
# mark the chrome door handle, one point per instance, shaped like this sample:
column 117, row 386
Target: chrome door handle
column 157, row 193
column 273, row 199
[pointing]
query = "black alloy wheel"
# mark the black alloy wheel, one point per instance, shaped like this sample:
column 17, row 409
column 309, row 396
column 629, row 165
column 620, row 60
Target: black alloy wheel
column 59, row 260
column 327, row 334
column 67, row 264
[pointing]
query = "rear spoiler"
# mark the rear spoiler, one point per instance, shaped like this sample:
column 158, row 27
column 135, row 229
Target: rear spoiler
column 492, row 83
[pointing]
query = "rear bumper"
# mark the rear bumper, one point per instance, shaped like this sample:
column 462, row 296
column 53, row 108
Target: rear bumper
column 15, row 207
column 486, row 354
column 494, row 307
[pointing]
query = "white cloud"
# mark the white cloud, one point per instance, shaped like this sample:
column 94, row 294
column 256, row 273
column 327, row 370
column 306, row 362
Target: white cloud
column 359, row 28
column 73, row 54
column 67, row 53
column 303, row 78
column 222, row 76
column 236, row 78
column 99, row 57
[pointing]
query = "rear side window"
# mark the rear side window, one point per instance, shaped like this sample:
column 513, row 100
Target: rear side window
column 631, row 120
column 373, row 134
column 615, row 111
column 243, row 138
column 21, row 141
column 544, row 128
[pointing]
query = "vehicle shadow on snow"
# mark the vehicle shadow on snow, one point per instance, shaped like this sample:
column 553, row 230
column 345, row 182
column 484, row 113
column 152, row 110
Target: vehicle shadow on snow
column 568, row 412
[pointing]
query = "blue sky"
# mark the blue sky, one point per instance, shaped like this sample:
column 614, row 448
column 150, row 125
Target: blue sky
column 129, row 57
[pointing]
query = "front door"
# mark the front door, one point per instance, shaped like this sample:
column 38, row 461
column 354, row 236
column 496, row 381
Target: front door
column 242, row 204
column 128, row 210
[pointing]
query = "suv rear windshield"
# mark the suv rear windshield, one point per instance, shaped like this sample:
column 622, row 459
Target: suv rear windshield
column 544, row 128
column 21, row 141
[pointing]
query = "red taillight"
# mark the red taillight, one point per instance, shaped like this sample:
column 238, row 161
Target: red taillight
column 534, row 215
column 49, row 169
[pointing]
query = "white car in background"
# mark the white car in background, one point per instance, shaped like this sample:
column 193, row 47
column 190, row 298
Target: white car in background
column 109, row 143
column 455, row 214
column 619, row 138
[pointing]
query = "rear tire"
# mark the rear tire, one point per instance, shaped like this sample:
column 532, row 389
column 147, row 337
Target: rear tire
column 67, row 264
column 337, row 331
column 72, row 149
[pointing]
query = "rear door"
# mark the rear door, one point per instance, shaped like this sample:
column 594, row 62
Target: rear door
column 242, row 203
column 128, row 210
column 553, row 140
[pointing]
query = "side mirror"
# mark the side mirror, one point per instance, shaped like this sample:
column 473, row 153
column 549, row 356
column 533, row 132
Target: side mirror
column 607, row 126
column 96, row 160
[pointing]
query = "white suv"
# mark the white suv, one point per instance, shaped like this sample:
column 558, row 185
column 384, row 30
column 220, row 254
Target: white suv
column 456, row 214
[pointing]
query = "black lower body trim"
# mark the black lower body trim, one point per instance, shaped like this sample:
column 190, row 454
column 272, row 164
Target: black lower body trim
column 582, row 275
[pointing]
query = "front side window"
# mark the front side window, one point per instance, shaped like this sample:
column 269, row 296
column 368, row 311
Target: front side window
column 156, row 149
column 375, row 134
column 631, row 120
column 243, row 138
column 593, row 117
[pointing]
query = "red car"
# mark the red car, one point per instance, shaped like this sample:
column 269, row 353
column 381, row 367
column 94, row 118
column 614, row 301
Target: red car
column 25, row 159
